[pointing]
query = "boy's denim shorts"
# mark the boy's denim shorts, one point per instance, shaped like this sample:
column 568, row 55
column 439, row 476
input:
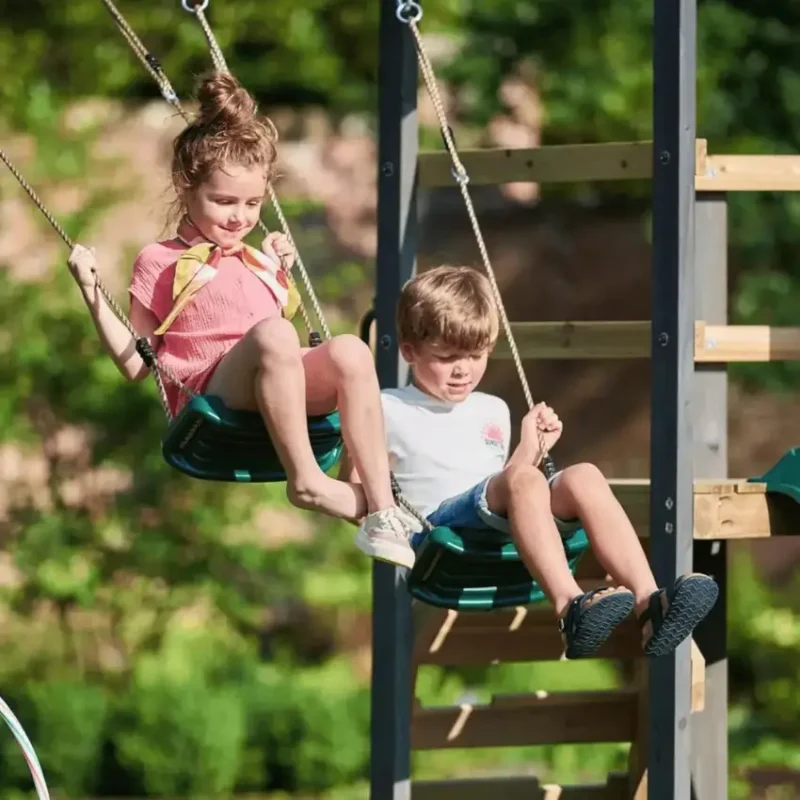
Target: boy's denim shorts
column 471, row 510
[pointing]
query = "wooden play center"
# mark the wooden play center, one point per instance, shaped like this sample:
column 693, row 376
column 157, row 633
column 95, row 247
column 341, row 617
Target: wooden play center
column 673, row 710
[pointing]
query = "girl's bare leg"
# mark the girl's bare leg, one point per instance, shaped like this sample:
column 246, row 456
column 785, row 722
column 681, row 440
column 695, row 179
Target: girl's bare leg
column 582, row 491
column 265, row 371
column 269, row 370
column 341, row 374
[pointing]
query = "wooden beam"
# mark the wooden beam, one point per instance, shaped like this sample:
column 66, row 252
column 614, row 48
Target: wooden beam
column 723, row 509
column 698, row 679
column 721, row 344
column 511, row 720
column 523, row 787
column 610, row 161
column 710, row 421
column 507, row 636
column 572, row 163
column 742, row 173
column 628, row 339
column 578, row 340
column 519, row 635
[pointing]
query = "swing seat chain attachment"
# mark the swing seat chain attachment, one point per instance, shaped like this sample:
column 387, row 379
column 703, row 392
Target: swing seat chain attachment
column 145, row 350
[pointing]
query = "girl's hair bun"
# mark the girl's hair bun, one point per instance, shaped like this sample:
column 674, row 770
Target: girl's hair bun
column 224, row 102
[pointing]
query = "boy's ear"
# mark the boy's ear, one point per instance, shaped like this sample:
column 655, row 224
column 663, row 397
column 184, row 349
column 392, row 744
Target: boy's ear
column 407, row 351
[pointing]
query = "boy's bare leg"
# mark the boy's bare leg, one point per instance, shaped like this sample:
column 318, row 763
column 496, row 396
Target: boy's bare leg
column 522, row 495
column 582, row 491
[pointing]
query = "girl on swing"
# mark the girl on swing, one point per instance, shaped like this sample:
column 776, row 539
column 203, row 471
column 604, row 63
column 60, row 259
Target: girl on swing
column 234, row 339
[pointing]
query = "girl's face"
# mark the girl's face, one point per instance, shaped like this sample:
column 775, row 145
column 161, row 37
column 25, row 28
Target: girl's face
column 227, row 206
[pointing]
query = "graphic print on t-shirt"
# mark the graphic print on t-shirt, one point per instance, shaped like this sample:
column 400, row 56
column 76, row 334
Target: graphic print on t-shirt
column 493, row 436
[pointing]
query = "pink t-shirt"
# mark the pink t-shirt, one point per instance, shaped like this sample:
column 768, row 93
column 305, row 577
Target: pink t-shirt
column 213, row 321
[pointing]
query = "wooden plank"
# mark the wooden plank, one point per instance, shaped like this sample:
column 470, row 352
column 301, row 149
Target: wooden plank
column 572, row 163
column 698, row 679
column 634, row 495
column 520, row 635
column 578, row 340
column 522, row 787
column 722, row 509
column 640, row 747
column 743, row 173
column 710, row 419
column 630, row 339
column 507, row 636
column 745, row 343
column 511, row 720
column 610, row 161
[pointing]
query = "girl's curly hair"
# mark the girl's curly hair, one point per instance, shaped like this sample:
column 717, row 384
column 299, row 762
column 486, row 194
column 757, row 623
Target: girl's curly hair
column 228, row 130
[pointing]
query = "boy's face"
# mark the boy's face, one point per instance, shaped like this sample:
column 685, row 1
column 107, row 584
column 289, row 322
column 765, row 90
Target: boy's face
column 443, row 372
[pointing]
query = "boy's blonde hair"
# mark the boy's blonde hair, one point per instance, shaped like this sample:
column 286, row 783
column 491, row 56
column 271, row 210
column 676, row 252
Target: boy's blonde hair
column 448, row 305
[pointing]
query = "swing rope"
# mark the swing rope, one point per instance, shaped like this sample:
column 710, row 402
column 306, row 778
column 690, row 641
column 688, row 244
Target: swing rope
column 218, row 59
column 410, row 12
column 149, row 61
column 153, row 66
column 143, row 346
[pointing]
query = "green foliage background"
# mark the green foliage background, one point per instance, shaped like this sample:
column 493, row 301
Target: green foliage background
column 153, row 648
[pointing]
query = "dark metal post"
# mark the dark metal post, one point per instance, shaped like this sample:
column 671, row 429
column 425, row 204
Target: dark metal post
column 671, row 508
column 390, row 765
column 710, row 727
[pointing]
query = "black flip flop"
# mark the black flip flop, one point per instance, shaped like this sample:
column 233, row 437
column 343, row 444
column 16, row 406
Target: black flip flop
column 589, row 622
column 688, row 603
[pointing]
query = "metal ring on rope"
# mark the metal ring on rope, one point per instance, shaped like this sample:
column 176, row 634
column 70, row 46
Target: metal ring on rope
column 407, row 11
column 194, row 7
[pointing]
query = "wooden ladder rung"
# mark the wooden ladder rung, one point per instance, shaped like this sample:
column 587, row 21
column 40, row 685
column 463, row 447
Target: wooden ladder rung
column 507, row 636
column 517, row 788
column 512, row 720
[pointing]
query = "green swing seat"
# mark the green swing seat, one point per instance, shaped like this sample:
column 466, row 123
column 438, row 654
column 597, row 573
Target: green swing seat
column 474, row 570
column 212, row 442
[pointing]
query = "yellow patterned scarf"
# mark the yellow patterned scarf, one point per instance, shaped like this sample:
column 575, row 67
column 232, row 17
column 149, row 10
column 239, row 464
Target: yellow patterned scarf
column 198, row 265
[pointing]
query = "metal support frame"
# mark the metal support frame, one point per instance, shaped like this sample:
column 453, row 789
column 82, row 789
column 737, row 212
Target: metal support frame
column 671, row 508
column 390, row 765
column 709, row 727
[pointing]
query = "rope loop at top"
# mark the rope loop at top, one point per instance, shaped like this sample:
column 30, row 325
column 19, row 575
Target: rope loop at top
column 193, row 7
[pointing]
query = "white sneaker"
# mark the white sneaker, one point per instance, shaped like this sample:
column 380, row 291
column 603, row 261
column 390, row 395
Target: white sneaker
column 408, row 519
column 384, row 535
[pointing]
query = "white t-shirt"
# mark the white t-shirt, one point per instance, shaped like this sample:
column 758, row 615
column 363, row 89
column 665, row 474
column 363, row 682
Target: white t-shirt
column 437, row 449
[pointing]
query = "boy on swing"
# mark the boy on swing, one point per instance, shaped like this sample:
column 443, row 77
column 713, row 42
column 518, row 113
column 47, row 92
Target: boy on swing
column 449, row 449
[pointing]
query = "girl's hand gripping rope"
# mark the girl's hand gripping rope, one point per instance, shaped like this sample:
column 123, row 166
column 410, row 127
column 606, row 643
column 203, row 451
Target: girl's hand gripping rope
column 83, row 266
column 277, row 247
